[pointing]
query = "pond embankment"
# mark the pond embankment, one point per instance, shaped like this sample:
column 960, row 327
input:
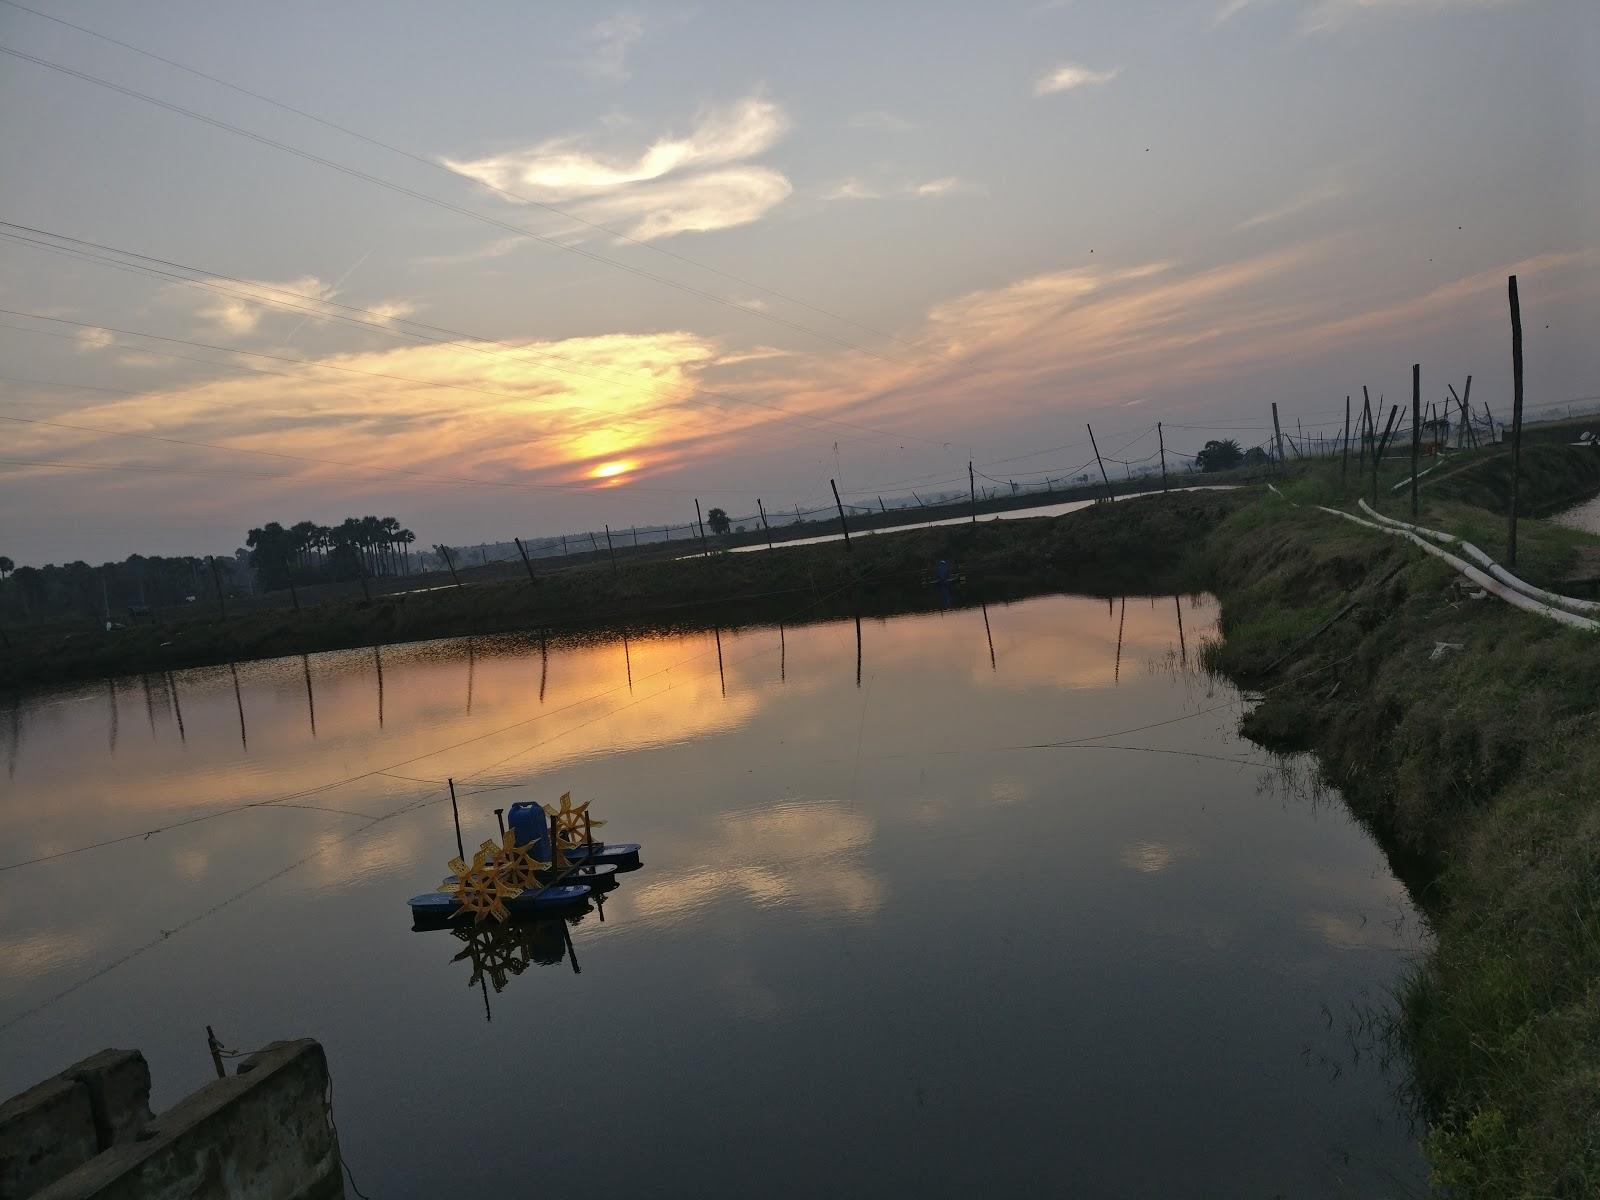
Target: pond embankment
column 1149, row 544
column 1464, row 731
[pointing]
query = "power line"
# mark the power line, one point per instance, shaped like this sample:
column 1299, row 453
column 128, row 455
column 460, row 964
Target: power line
column 401, row 189
column 435, row 164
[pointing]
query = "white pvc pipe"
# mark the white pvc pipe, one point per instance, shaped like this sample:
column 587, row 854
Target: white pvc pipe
column 1508, row 594
column 1494, row 568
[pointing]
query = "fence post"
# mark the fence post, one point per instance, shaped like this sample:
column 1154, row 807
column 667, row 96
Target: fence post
column 1277, row 433
column 1416, row 430
column 972, row 491
column 1366, row 430
column 840, row 504
column 701, row 525
column 1109, row 494
column 216, row 579
column 1466, row 413
column 288, row 575
column 1344, row 465
column 448, row 561
column 765, row 528
column 611, row 550
column 1161, row 441
column 525, row 561
column 1516, row 415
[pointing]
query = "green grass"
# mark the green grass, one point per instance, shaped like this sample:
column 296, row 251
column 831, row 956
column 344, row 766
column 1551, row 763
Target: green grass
column 1480, row 772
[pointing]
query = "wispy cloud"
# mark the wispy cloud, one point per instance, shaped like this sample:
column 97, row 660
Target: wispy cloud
column 855, row 189
column 943, row 187
column 1323, row 193
column 613, row 41
column 881, row 121
column 668, row 187
column 1321, row 16
column 248, row 301
column 1068, row 76
column 90, row 340
column 851, row 189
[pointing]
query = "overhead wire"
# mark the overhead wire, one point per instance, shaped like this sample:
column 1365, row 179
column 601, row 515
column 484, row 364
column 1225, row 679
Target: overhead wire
column 449, row 206
column 438, row 165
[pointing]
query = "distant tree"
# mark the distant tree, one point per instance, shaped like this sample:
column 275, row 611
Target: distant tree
column 6, row 566
column 1220, row 456
column 1256, row 457
column 718, row 520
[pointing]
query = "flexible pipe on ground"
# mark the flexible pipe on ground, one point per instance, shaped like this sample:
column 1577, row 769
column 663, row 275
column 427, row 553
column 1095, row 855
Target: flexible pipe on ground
column 1509, row 594
column 1494, row 568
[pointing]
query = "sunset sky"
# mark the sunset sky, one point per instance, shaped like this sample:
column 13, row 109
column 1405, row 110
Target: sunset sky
column 613, row 259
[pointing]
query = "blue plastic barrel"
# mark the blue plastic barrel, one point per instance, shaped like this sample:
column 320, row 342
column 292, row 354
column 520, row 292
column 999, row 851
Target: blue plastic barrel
column 528, row 821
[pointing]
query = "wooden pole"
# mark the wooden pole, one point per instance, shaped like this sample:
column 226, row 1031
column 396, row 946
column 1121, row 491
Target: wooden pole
column 840, row 505
column 1277, row 433
column 765, row 528
column 289, row 579
column 216, row 579
column 881, row 508
column 216, row 1053
column 1416, row 430
column 972, row 491
column 1466, row 412
column 701, row 525
column 1161, row 441
column 449, row 562
column 1516, row 416
column 1366, row 430
column 1109, row 494
column 500, row 820
column 525, row 561
column 1378, row 447
column 1344, row 463
column 611, row 550
column 455, row 812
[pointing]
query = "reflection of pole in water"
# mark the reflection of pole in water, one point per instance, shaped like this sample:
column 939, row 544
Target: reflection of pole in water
column 311, row 702
column 858, row 649
column 1183, row 650
column 377, row 657
column 472, row 667
column 988, row 634
column 177, row 706
column 15, row 749
column 783, row 657
column 111, row 685
column 572, row 951
column 721, row 678
column 1116, row 675
column 149, row 705
column 627, row 662
column 238, row 699
column 544, row 664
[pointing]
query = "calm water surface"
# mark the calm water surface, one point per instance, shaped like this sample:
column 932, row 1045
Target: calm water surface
column 980, row 900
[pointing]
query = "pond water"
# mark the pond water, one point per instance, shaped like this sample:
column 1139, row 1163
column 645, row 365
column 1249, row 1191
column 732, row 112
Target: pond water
column 979, row 898
column 1585, row 516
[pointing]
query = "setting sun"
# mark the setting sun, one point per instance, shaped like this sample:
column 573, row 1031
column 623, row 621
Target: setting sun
column 613, row 470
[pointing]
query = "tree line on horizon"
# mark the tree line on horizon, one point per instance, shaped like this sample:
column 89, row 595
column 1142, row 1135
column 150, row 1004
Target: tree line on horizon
column 306, row 552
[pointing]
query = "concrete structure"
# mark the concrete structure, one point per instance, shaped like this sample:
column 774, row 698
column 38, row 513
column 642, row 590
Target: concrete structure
column 88, row 1134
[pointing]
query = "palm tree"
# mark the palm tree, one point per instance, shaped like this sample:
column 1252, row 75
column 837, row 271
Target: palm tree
column 6, row 566
column 405, row 538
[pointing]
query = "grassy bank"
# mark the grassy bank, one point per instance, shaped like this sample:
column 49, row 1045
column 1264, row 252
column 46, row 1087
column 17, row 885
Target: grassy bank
column 1478, row 767
column 1146, row 544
